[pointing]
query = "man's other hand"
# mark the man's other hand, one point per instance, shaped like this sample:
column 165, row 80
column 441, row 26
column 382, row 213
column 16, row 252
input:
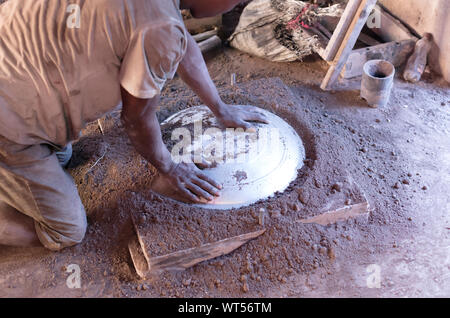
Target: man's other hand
column 239, row 116
column 191, row 183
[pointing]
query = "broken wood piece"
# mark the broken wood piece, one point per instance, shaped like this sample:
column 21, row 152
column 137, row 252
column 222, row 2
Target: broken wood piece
column 137, row 256
column 210, row 44
column 205, row 35
column 182, row 260
column 390, row 28
column 348, row 43
column 393, row 52
column 342, row 214
column 185, row 259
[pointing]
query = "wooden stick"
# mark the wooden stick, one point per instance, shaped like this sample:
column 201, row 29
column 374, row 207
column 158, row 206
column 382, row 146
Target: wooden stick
column 348, row 43
column 100, row 126
column 97, row 162
column 341, row 30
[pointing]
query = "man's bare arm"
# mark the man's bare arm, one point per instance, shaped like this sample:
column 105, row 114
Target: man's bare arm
column 139, row 119
column 195, row 74
column 142, row 127
column 193, row 71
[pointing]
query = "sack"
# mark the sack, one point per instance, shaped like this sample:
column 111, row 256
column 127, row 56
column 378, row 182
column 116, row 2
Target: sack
column 272, row 29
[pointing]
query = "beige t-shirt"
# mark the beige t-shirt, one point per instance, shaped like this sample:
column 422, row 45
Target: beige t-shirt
column 62, row 61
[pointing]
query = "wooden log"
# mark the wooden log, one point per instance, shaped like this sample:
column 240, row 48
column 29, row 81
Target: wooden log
column 394, row 52
column 341, row 30
column 184, row 259
column 210, row 44
column 204, row 36
column 348, row 43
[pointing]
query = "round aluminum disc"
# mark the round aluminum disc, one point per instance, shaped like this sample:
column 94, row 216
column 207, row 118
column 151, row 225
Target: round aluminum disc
column 250, row 165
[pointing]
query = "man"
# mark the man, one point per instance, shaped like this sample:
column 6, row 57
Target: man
column 64, row 63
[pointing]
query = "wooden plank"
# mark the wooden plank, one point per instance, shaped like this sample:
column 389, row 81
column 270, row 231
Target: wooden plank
column 341, row 30
column 348, row 43
column 394, row 52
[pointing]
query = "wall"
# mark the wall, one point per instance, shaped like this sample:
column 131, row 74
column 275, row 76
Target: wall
column 427, row 16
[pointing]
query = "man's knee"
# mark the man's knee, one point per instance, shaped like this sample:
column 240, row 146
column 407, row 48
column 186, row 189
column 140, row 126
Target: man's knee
column 61, row 233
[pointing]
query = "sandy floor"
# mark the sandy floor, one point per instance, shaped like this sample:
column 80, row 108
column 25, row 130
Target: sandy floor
column 398, row 156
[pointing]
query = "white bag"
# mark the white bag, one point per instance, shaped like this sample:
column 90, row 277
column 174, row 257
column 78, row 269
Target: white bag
column 264, row 31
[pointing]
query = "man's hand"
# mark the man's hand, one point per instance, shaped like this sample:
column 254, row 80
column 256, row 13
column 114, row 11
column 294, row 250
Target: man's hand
column 238, row 116
column 191, row 183
column 193, row 71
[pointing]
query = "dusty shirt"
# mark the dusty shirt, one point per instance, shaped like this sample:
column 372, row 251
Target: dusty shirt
column 62, row 61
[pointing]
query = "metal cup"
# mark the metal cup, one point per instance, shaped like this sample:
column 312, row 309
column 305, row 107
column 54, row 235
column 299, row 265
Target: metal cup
column 377, row 82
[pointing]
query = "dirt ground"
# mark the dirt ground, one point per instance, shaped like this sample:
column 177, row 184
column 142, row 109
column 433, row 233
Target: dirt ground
column 398, row 157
